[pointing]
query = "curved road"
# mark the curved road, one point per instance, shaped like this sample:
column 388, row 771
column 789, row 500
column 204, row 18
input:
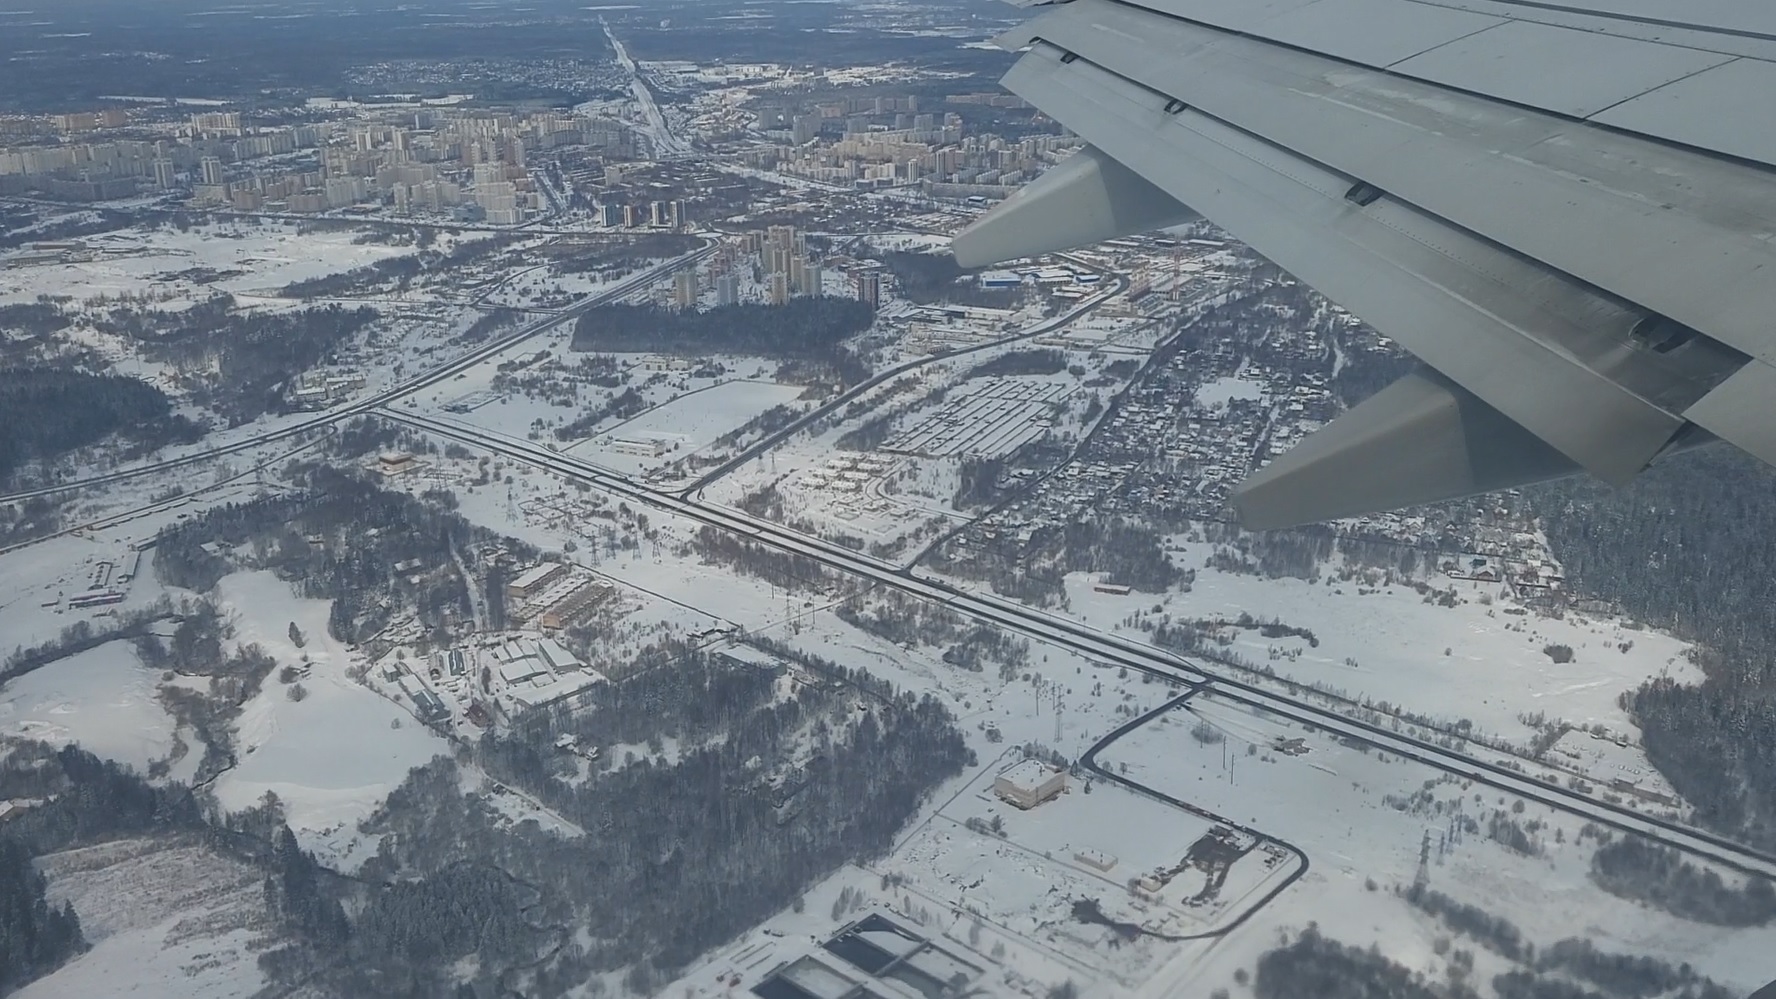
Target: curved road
column 1090, row 762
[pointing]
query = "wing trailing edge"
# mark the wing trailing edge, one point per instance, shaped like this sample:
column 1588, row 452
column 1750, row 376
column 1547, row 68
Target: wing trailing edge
column 1086, row 199
column 1420, row 440
column 1446, row 221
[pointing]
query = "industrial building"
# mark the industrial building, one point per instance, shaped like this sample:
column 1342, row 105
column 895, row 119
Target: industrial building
column 533, row 580
column 1029, row 783
column 647, row 447
column 396, row 463
column 572, row 607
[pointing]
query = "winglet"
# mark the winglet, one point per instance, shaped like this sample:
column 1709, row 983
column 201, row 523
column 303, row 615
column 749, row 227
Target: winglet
column 1087, row 198
column 1420, row 440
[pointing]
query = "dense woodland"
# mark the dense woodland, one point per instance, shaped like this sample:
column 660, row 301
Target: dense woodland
column 35, row 937
column 1323, row 968
column 28, row 333
column 1123, row 551
column 1689, row 547
column 936, row 277
column 1021, row 362
column 766, row 794
column 801, row 329
column 907, row 621
column 238, row 363
column 613, row 255
column 1636, row 869
column 47, row 412
column 362, row 532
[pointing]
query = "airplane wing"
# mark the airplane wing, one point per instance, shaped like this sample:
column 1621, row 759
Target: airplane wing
column 1565, row 209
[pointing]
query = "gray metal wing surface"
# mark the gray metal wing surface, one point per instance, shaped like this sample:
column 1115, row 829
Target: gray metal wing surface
column 1566, row 210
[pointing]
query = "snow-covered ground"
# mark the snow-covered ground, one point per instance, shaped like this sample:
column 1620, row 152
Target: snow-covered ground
column 102, row 699
column 253, row 260
column 332, row 757
column 1389, row 644
column 685, row 425
column 1218, row 393
column 166, row 920
column 1005, row 903
column 1328, row 801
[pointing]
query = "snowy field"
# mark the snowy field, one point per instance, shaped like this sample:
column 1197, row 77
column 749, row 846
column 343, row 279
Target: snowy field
column 1328, row 802
column 167, row 920
column 102, row 699
column 1003, row 900
column 1228, row 388
column 253, row 260
column 1028, row 879
column 1390, row 645
column 688, row 412
column 331, row 757
column 686, row 425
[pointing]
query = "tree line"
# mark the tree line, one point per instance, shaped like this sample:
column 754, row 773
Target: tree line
column 929, row 278
column 802, row 328
column 767, row 794
column 362, row 532
column 35, row 937
column 1688, row 547
column 238, row 362
column 46, row 412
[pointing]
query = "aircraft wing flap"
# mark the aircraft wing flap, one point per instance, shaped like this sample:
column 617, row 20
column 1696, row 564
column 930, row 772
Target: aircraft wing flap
column 1420, row 440
column 1738, row 411
column 1685, row 235
column 1526, row 340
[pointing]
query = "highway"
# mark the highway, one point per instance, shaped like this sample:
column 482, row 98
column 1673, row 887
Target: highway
column 667, row 146
column 1116, row 650
column 426, row 379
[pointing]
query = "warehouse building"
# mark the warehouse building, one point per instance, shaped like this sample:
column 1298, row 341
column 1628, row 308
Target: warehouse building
column 574, row 606
column 1029, row 783
column 533, row 580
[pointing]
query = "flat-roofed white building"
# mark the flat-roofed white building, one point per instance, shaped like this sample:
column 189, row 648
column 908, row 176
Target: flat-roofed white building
column 647, row 447
column 1029, row 783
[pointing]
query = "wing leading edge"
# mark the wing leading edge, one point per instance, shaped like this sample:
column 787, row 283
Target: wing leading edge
column 1587, row 299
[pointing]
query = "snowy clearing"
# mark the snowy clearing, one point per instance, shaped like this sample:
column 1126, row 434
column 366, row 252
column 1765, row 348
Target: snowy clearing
column 335, row 755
